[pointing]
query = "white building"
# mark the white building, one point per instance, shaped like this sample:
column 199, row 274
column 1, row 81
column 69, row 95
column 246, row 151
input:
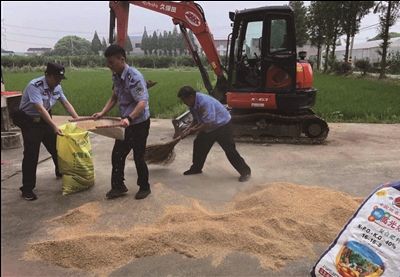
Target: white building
column 220, row 45
column 37, row 51
column 136, row 44
column 368, row 50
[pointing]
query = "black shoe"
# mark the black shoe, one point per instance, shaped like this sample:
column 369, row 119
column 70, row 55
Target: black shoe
column 141, row 194
column 192, row 171
column 244, row 177
column 29, row 195
column 114, row 193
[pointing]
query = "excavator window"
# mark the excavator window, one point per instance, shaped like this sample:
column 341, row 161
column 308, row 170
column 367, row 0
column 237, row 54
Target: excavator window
column 278, row 72
column 278, row 40
column 248, row 50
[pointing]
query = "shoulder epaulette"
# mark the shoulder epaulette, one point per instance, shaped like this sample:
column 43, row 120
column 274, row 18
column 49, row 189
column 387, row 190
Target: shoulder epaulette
column 38, row 83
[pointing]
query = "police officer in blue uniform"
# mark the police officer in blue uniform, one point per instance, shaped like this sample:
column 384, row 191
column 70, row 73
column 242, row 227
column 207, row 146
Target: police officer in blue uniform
column 212, row 122
column 130, row 91
column 34, row 119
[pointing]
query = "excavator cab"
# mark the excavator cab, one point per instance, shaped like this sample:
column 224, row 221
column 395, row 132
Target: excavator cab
column 270, row 93
column 262, row 61
column 263, row 51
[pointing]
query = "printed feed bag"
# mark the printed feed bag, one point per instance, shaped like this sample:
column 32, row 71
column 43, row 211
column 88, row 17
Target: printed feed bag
column 369, row 244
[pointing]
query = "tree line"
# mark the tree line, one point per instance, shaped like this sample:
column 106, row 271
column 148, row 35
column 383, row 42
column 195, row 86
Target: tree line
column 323, row 22
column 166, row 43
column 169, row 43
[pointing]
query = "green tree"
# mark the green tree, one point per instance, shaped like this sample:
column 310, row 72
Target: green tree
column 145, row 42
column 300, row 12
column 154, row 43
column 181, row 44
column 72, row 46
column 128, row 45
column 175, row 40
column 332, row 27
column 316, row 27
column 170, row 43
column 163, row 40
column 389, row 13
column 103, row 44
column 354, row 12
column 96, row 43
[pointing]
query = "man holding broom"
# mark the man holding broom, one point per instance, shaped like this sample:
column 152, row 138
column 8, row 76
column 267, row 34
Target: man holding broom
column 211, row 121
column 129, row 89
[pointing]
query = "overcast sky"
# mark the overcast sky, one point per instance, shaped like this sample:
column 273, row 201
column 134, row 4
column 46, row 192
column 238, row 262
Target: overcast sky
column 26, row 24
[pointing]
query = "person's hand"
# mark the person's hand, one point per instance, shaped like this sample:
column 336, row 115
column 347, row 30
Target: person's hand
column 58, row 131
column 124, row 122
column 97, row 115
column 186, row 132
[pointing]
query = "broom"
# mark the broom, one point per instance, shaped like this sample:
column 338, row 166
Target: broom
column 161, row 153
column 164, row 153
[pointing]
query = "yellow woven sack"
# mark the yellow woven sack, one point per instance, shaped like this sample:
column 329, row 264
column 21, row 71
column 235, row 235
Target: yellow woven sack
column 75, row 159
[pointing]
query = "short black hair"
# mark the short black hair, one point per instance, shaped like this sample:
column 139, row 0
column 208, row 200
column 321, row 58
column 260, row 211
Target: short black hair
column 186, row 91
column 114, row 50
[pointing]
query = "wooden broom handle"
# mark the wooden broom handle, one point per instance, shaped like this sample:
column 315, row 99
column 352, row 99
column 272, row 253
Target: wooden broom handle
column 83, row 118
column 110, row 126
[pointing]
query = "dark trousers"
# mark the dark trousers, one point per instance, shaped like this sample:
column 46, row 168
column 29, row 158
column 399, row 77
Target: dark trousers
column 224, row 136
column 135, row 139
column 34, row 134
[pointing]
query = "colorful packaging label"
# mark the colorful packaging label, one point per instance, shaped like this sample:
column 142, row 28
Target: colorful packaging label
column 369, row 244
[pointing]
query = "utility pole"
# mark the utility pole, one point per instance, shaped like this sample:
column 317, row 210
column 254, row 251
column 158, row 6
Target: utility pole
column 3, row 34
column 350, row 59
column 72, row 49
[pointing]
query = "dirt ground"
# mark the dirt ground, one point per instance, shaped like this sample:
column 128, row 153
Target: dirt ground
column 355, row 159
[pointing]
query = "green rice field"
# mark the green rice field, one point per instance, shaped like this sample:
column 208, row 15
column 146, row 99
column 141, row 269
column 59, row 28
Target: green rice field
column 339, row 99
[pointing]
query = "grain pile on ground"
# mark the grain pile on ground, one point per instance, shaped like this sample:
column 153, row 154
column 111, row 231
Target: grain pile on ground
column 75, row 222
column 277, row 223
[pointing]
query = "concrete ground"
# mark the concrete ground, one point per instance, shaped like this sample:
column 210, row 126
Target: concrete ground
column 355, row 159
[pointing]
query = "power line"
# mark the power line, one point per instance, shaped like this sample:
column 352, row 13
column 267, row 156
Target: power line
column 33, row 36
column 3, row 33
column 48, row 30
column 370, row 26
column 70, row 31
column 28, row 42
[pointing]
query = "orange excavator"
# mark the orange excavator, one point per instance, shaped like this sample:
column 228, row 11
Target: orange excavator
column 267, row 90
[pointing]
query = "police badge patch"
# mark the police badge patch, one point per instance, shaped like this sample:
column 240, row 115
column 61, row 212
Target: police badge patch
column 38, row 83
column 137, row 87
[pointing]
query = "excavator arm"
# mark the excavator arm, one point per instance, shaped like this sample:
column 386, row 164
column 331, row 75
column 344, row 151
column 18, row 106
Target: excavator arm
column 186, row 14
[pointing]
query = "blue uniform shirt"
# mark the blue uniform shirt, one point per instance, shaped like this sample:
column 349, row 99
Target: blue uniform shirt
column 210, row 111
column 131, row 88
column 38, row 92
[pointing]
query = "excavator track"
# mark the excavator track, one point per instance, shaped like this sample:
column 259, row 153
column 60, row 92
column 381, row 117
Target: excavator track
column 302, row 128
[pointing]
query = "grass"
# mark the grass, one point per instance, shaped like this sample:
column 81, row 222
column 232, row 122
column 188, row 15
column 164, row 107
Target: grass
column 89, row 89
column 339, row 99
column 353, row 99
